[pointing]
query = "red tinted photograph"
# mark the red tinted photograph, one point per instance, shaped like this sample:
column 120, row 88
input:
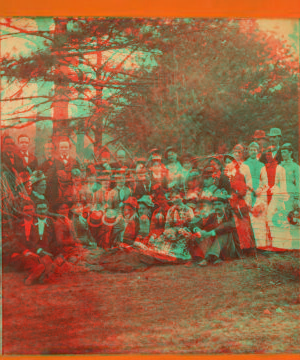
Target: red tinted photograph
column 149, row 185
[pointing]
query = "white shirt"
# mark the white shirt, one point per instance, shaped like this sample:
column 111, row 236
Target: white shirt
column 27, row 224
column 41, row 226
column 25, row 156
column 64, row 159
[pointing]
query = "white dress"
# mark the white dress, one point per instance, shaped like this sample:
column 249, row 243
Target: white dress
column 292, row 171
column 276, row 213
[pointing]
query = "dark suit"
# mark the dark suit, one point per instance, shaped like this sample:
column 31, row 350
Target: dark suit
column 69, row 166
column 11, row 167
column 47, row 242
column 32, row 162
column 13, row 163
column 49, row 169
column 142, row 188
column 277, row 157
column 225, row 243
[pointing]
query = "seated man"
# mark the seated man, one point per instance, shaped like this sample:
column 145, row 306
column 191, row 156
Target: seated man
column 68, row 245
column 214, row 237
column 35, row 243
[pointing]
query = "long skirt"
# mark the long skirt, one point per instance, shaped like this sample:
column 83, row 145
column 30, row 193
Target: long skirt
column 244, row 232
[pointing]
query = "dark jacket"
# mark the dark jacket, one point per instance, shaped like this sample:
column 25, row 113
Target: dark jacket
column 32, row 163
column 278, row 157
column 47, row 242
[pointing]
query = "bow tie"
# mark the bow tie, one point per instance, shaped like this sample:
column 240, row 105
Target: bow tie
column 40, row 220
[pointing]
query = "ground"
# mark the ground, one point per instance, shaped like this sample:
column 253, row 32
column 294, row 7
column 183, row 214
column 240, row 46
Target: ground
column 234, row 307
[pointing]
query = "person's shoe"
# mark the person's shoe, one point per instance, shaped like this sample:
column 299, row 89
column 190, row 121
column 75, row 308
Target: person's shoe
column 203, row 263
column 59, row 260
column 189, row 263
column 218, row 262
column 36, row 274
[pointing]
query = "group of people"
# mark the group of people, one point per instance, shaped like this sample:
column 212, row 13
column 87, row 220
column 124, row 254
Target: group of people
column 164, row 208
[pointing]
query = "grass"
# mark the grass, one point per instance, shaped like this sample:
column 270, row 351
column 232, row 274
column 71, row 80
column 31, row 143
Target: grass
column 167, row 309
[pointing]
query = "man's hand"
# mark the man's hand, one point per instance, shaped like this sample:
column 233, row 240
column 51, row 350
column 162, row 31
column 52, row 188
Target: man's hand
column 29, row 253
column 44, row 253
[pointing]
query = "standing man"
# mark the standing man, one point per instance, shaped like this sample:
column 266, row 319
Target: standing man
column 49, row 169
column 275, row 139
column 255, row 167
column 260, row 138
column 11, row 163
column 29, row 160
column 65, row 161
column 175, row 174
column 120, row 193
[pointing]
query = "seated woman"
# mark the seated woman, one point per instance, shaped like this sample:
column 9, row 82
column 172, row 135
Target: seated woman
column 132, row 223
column 68, row 247
column 214, row 236
column 145, row 212
column 39, row 185
column 171, row 245
column 192, row 183
column 221, row 180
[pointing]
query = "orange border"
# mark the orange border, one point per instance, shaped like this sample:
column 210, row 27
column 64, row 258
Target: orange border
column 156, row 8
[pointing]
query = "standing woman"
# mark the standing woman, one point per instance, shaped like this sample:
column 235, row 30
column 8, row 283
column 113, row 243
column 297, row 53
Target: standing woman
column 273, row 183
column 222, row 181
column 239, row 206
column 239, row 155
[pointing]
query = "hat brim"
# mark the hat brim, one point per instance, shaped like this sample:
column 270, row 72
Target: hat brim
column 93, row 224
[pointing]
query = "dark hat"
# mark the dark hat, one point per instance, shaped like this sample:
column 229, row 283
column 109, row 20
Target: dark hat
column 154, row 151
column 208, row 171
column 186, row 158
column 37, row 176
column 228, row 156
column 274, row 132
column 259, row 134
column 111, row 217
column 168, row 149
column 156, row 157
column 254, row 145
column 140, row 160
column 194, row 174
column 270, row 148
column 131, row 201
column 238, row 147
column 95, row 218
column 287, row 146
